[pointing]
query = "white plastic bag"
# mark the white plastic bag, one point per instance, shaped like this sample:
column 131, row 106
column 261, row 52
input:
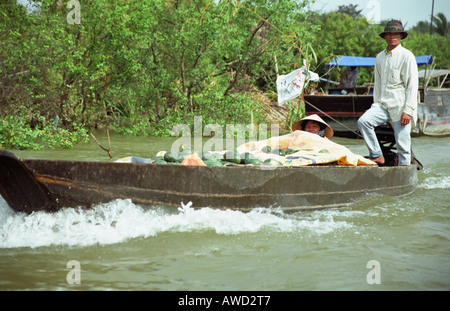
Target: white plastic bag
column 291, row 85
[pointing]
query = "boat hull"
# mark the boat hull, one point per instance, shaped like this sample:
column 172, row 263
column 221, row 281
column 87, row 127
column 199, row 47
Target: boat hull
column 84, row 184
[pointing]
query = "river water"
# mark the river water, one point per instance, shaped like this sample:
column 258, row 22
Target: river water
column 378, row 243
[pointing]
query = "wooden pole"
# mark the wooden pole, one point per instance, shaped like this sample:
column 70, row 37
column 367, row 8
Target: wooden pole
column 432, row 12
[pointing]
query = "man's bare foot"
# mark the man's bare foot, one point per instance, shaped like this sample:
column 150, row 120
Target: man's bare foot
column 378, row 160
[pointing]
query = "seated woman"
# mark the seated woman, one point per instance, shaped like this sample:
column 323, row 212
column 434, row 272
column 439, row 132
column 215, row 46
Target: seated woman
column 349, row 78
column 314, row 124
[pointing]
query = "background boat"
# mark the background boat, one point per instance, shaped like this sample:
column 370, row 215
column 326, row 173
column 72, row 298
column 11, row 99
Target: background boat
column 433, row 111
column 341, row 107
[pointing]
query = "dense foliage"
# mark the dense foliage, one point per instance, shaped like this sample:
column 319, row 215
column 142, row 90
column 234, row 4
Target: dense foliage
column 140, row 67
column 439, row 25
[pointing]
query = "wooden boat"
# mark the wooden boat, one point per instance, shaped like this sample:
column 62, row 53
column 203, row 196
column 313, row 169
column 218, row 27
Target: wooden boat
column 341, row 107
column 30, row 185
column 433, row 110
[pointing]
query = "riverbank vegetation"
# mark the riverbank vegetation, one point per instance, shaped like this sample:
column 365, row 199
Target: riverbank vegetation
column 140, row 67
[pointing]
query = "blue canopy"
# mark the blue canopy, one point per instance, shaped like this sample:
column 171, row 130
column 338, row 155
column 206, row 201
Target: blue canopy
column 357, row 61
column 424, row 60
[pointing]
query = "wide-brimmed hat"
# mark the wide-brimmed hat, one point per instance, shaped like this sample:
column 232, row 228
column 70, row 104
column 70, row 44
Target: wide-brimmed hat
column 394, row 26
column 314, row 117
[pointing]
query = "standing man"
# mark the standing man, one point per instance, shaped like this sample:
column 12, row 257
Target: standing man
column 396, row 85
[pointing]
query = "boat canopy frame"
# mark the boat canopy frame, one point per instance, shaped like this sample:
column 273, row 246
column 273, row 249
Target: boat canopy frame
column 359, row 61
column 362, row 61
column 428, row 74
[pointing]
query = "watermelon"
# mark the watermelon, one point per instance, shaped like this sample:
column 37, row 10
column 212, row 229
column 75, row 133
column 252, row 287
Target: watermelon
column 171, row 156
column 232, row 156
column 272, row 162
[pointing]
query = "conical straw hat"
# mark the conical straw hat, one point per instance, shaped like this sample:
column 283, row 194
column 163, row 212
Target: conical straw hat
column 298, row 124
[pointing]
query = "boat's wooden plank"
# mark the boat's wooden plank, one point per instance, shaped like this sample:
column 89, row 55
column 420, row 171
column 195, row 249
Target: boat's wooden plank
column 19, row 187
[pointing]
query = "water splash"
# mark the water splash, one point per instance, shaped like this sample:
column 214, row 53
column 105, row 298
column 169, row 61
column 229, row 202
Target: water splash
column 436, row 183
column 121, row 220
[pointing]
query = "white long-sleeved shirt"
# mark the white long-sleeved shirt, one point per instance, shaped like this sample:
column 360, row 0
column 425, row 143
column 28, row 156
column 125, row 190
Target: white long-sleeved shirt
column 396, row 83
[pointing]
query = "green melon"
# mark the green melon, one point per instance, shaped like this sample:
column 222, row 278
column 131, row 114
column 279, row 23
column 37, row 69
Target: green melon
column 266, row 149
column 272, row 162
column 171, row 156
column 232, row 156
column 213, row 162
column 253, row 161
column 159, row 161
column 290, row 151
column 280, row 152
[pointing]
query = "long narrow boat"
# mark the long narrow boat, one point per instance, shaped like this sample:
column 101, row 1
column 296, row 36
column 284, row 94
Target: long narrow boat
column 30, row 185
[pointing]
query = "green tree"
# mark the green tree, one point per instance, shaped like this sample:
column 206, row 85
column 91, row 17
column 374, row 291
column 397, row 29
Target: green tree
column 142, row 66
column 437, row 46
column 422, row 27
column 342, row 34
column 350, row 10
column 29, row 97
column 440, row 24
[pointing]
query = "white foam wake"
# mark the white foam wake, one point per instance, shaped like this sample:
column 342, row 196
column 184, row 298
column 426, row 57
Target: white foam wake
column 442, row 182
column 121, row 220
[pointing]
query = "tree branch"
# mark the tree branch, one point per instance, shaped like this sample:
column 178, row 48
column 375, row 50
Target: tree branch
column 109, row 144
